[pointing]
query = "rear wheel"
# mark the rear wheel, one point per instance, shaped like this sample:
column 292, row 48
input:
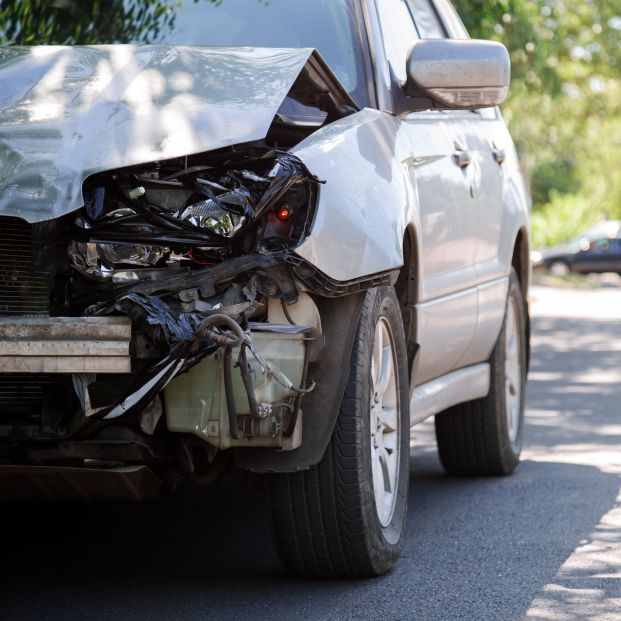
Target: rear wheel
column 559, row 268
column 484, row 437
column 345, row 517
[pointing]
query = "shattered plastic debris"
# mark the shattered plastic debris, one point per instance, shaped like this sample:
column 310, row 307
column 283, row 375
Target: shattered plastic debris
column 144, row 388
column 95, row 204
column 177, row 331
column 189, row 337
column 187, row 218
column 150, row 416
column 171, row 257
column 81, row 382
column 212, row 216
column 287, row 172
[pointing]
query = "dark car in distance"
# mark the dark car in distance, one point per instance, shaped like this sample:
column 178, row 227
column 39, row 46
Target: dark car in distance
column 598, row 251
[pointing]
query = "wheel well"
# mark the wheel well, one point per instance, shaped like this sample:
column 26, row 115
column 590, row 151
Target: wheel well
column 407, row 292
column 521, row 261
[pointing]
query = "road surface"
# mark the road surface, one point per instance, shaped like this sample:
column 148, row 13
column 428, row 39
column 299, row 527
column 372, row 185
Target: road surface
column 542, row 544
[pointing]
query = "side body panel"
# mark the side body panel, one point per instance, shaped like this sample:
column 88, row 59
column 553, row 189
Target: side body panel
column 503, row 213
column 384, row 174
column 499, row 223
column 447, row 316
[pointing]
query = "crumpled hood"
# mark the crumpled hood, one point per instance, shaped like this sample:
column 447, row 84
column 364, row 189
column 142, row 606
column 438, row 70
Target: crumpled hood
column 69, row 112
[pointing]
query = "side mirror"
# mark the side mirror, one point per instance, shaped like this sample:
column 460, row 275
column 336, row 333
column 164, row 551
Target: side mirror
column 458, row 74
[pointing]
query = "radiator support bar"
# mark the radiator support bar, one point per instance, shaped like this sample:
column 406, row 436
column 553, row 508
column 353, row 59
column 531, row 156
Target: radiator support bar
column 65, row 344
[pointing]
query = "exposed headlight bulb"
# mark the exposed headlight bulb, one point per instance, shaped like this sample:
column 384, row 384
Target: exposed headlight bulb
column 284, row 213
column 208, row 214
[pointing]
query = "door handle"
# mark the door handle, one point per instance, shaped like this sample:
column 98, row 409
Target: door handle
column 498, row 153
column 461, row 158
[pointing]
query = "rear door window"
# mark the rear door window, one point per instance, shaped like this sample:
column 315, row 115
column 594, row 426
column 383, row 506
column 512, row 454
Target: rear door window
column 427, row 21
column 453, row 22
column 398, row 33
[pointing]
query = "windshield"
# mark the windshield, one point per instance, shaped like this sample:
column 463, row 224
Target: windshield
column 328, row 25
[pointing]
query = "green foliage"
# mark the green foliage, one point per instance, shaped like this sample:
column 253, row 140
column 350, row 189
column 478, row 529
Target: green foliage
column 563, row 217
column 74, row 22
column 553, row 175
column 564, row 109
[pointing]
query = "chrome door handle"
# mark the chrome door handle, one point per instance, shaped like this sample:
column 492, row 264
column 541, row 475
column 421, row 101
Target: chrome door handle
column 498, row 153
column 461, row 158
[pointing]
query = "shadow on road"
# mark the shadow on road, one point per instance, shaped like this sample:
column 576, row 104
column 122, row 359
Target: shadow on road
column 474, row 546
column 573, row 388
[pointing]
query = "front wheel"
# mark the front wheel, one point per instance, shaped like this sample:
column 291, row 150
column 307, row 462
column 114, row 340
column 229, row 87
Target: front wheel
column 345, row 517
column 484, row 437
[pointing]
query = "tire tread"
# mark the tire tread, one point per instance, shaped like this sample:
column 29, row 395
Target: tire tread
column 321, row 515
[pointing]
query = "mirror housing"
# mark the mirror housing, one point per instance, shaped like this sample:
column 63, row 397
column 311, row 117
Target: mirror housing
column 456, row 74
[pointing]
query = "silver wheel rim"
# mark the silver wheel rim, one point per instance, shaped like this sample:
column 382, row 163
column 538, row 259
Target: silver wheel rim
column 513, row 371
column 385, row 422
column 559, row 269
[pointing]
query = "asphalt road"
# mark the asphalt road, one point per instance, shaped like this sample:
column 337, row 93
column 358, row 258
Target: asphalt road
column 542, row 544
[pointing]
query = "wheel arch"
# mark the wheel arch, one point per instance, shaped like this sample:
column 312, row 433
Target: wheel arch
column 408, row 292
column 520, row 262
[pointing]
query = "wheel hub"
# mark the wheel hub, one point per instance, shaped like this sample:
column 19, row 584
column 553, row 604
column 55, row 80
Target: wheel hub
column 385, row 422
column 513, row 372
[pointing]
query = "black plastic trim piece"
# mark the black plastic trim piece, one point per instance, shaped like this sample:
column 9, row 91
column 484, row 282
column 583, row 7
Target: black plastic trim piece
column 321, row 284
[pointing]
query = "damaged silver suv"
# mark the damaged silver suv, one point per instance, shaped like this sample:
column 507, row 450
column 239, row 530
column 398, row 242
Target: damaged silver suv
column 272, row 239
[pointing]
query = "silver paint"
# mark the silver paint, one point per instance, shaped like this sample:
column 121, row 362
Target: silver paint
column 69, row 112
column 460, row 73
column 66, row 113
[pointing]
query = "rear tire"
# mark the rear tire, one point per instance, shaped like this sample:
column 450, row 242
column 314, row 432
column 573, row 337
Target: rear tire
column 484, row 437
column 345, row 517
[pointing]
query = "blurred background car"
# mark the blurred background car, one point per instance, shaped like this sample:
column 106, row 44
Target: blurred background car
column 596, row 251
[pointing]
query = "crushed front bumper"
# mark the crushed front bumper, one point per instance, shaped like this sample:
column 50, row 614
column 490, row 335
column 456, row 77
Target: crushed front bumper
column 65, row 344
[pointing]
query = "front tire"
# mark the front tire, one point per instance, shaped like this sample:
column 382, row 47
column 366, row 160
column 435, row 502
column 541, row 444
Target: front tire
column 345, row 517
column 484, row 437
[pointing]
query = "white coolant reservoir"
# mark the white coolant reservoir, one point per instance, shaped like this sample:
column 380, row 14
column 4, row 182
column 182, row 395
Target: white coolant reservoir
column 196, row 401
column 303, row 313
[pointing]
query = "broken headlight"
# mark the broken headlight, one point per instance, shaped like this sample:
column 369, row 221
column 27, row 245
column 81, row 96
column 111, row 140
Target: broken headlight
column 192, row 212
column 211, row 214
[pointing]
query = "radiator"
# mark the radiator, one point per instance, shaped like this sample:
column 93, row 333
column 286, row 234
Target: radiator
column 24, row 291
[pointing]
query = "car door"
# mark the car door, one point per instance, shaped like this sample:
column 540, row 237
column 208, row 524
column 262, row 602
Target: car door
column 446, row 179
column 494, row 160
column 486, row 138
column 603, row 255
